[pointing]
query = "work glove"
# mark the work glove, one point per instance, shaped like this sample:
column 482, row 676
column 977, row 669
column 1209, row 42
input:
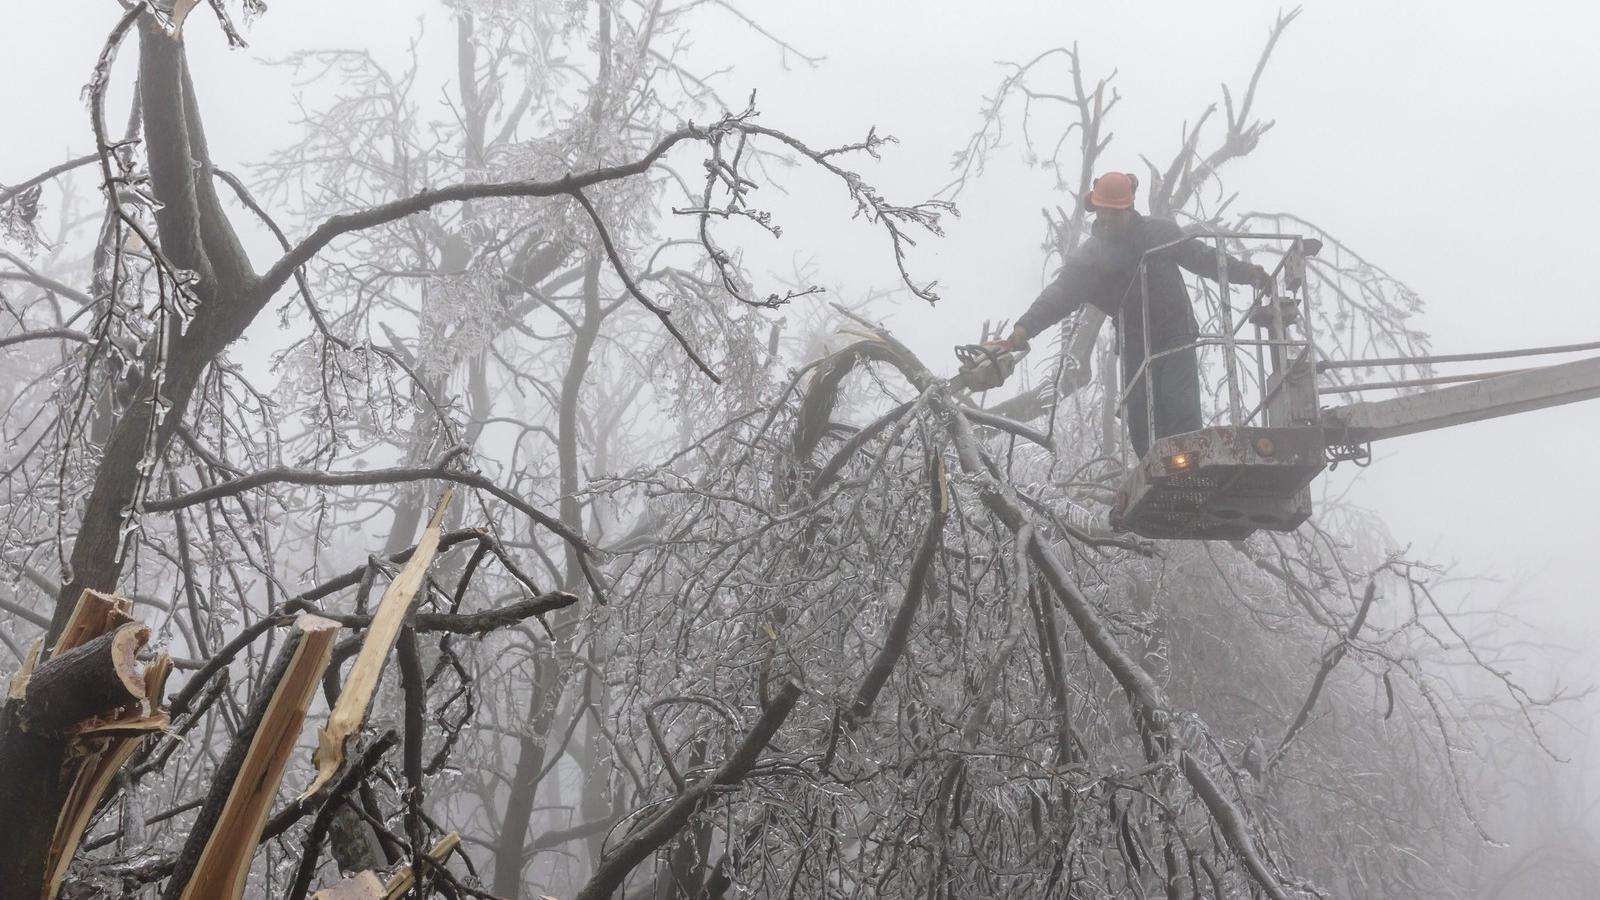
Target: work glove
column 1016, row 341
column 1257, row 277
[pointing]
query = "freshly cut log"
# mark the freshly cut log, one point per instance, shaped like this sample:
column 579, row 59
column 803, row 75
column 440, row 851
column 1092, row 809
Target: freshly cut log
column 100, row 675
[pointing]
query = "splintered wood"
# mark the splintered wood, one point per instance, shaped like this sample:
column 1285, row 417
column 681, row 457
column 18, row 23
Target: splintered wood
column 18, row 687
column 95, row 614
column 89, row 705
column 103, row 746
column 367, row 885
column 360, row 886
column 216, row 861
column 350, row 711
column 69, row 722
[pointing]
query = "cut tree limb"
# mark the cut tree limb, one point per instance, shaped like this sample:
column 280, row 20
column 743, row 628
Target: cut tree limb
column 101, row 748
column 99, row 675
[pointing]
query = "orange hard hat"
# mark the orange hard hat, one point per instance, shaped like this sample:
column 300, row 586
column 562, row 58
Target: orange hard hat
column 1113, row 190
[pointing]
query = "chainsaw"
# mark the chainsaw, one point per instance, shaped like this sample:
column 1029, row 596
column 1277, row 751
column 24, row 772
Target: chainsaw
column 984, row 366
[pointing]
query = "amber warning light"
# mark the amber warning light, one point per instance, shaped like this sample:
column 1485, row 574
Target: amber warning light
column 1179, row 462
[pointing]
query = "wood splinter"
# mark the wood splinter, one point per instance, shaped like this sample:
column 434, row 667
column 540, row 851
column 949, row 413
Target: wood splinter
column 349, row 712
column 367, row 885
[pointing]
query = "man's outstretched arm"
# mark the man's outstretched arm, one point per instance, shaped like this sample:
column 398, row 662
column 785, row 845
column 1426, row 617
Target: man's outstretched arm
column 1080, row 281
column 1054, row 303
column 1200, row 258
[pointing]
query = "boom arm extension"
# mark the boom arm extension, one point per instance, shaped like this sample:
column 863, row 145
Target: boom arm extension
column 1503, row 395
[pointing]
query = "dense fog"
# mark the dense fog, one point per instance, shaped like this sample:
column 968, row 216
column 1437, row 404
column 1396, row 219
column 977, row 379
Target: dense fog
column 585, row 449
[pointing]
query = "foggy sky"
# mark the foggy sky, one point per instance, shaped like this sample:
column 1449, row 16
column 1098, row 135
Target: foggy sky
column 1448, row 142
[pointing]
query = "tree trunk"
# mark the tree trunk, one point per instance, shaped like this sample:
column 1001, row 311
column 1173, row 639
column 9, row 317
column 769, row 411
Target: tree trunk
column 194, row 234
column 531, row 755
column 31, row 794
column 508, row 851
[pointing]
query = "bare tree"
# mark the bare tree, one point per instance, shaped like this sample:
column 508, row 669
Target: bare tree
column 823, row 631
column 150, row 419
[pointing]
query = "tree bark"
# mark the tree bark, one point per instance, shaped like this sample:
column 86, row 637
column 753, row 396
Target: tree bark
column 31, row 793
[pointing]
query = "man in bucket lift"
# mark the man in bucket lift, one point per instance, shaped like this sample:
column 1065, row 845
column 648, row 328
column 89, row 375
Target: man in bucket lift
column 1104, row 272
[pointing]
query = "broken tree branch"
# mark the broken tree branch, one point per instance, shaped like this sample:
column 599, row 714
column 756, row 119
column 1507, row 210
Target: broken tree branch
column 615, row 866
column 331, row 798
column 215, row 861
column 351, row 709
column 1330, row 658
column 898, row 638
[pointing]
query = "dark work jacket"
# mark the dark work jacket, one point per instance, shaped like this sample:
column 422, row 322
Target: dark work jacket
column 1104, row 272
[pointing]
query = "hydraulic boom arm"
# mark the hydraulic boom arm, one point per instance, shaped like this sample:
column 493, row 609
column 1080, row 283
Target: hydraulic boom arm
column 1502, row 395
